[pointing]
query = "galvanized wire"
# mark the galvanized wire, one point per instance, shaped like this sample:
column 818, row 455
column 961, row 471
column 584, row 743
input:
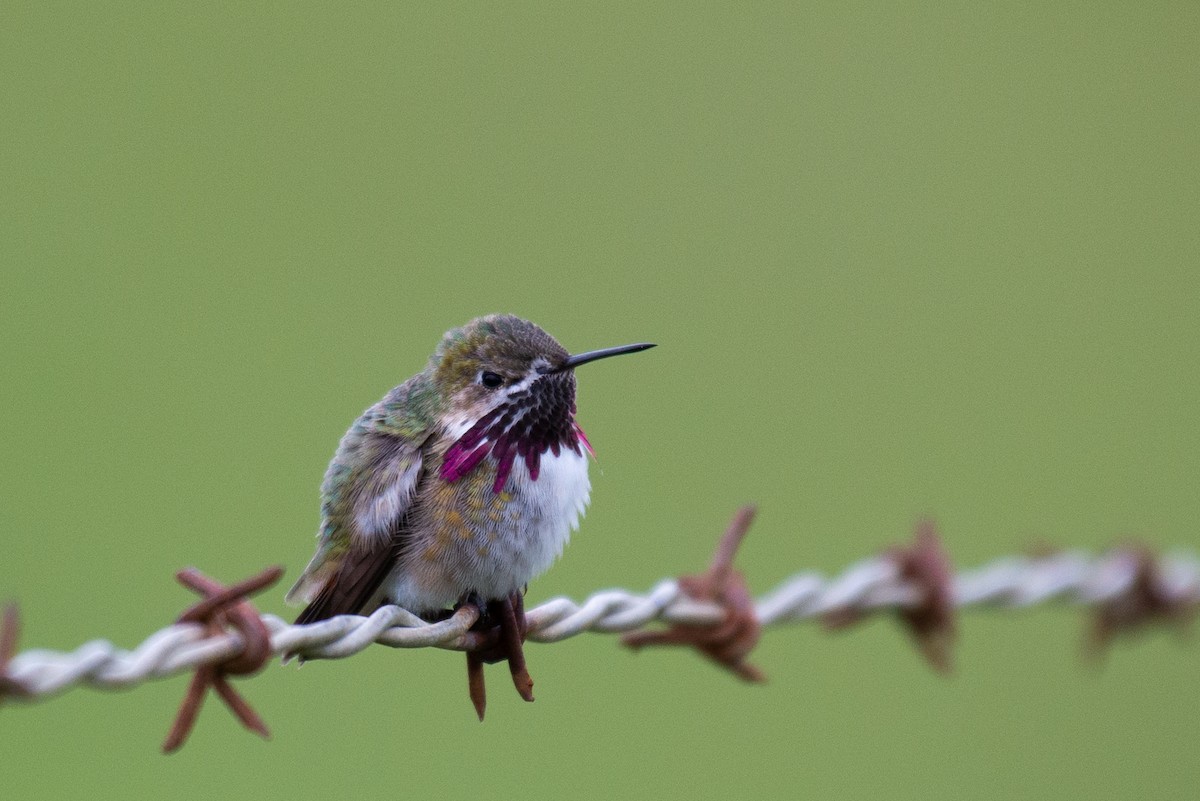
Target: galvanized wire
column 872, row 585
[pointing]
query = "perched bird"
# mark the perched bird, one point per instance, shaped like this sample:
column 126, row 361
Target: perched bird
column 458, row 487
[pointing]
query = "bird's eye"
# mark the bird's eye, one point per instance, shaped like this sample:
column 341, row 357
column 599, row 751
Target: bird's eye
column 491, row 380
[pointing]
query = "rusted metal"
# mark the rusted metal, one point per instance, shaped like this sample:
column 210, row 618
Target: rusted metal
column 10, row 633
column 221, row 609
column 730, row 641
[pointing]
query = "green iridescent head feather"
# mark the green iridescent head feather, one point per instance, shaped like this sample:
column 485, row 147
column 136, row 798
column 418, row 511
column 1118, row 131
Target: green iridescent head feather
column 504, row 343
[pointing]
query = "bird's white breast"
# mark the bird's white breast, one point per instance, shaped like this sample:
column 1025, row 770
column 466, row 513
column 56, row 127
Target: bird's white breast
column 543, row 513
column 518, row 534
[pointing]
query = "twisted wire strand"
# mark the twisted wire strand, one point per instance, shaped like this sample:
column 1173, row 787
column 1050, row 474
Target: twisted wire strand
column 871, row 585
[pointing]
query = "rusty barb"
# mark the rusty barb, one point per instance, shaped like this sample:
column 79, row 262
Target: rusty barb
column 10, row 633
column 224, row 608
column 729, row 641
column 1147, row 601
column 925, row 566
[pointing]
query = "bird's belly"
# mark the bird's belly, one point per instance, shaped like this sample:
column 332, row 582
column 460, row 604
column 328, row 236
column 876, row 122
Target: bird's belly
column 472, row 539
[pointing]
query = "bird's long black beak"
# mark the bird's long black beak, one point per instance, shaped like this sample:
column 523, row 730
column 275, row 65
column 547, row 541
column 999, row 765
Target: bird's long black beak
column 592, row 355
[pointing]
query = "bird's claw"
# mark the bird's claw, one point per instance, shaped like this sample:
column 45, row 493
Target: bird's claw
column 498, row 639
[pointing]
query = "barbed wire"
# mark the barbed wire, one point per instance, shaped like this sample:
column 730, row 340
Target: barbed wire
column 1126, row 587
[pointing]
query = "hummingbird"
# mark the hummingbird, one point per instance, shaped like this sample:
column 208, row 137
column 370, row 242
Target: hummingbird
column 458, row 487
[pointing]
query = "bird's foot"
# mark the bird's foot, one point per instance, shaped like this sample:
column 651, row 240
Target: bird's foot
column 501, row 628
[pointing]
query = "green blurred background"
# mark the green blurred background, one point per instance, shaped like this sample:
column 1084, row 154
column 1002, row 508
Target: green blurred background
column 901, row 259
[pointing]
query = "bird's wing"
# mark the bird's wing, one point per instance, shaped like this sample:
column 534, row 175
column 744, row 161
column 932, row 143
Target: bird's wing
column 367, row 497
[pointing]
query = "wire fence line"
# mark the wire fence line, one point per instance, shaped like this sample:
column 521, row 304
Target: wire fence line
column 871, row 585
column 223, row 635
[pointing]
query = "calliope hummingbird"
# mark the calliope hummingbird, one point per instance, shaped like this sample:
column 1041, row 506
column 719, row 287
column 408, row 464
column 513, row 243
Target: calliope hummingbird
column 458, row 487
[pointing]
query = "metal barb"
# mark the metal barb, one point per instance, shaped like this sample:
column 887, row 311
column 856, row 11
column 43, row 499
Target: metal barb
column 1145, row 602
column 10, row 633
column 924, row 567
column 224, row 607
column 925, row 564
column 730, row 640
